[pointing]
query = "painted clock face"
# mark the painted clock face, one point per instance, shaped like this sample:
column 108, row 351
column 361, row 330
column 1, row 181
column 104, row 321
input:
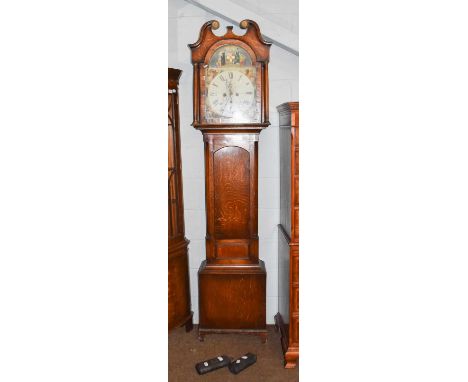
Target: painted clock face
column 231, row 94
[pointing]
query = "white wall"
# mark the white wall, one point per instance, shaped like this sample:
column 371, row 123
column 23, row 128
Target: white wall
column 185, row 21
column 282, row 12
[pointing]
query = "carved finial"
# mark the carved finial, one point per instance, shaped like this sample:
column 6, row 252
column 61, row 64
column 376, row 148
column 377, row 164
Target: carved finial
column 206, row 29
column 245, row 24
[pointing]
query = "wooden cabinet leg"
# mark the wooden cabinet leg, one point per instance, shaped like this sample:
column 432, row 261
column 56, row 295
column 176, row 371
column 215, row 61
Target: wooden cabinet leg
column 290, row 360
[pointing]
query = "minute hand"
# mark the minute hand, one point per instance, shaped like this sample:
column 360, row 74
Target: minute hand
column 230, row 93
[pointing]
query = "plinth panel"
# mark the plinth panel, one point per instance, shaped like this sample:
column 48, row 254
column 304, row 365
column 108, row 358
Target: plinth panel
column 232, row 298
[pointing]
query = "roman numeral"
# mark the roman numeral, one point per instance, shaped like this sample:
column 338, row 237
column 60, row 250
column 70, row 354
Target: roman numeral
column 230, row 75
column 222, row 78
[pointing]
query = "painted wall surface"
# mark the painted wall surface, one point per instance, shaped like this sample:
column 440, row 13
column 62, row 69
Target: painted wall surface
column 185, row 21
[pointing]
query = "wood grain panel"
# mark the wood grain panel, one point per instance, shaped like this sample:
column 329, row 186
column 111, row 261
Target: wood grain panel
column 241, row 294
column 296, row 161
column 296, row 190
column 232, row 192
column 232, row 251
column 295, row 269
column 178, row 287
column 295, row 233
column 294, row 330
column 295, row 299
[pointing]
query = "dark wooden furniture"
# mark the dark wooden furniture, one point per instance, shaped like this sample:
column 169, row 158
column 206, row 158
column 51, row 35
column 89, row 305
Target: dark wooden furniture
column 287, row 319
column 230, row 109
column 178, row 270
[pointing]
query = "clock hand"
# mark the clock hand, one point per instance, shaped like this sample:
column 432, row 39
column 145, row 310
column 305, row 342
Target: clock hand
column 229, row 89
column 224, row 106
column 228, row 95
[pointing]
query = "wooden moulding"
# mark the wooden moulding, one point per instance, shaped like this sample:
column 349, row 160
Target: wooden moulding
column 252, row 37
column 240, row 128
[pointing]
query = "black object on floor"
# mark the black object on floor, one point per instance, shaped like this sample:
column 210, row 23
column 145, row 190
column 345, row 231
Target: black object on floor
column 242, row 363
column 212, row 364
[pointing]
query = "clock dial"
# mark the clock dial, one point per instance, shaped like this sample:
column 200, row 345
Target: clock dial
column 231, row 94
column 230, row 83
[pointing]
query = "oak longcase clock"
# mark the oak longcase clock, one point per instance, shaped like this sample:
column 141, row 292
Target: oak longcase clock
column 230, row 108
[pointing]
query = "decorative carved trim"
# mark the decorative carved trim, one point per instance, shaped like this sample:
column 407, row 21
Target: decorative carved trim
column 207, row 38
column 244, row 24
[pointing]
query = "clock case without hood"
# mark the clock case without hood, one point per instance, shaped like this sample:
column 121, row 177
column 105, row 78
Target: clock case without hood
column 232, row 279
column 179, row 304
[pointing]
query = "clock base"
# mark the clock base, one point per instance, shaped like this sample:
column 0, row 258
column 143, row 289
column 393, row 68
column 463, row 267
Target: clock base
column 232, row 299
